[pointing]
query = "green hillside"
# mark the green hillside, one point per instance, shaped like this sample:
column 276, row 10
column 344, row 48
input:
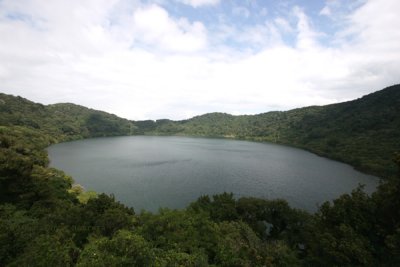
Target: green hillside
column 62, row 121
column 364, row 133
column 45, row 220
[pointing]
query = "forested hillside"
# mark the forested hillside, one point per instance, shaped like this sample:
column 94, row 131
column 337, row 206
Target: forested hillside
column 62, row 121
column 45, row 220
column 364, row 133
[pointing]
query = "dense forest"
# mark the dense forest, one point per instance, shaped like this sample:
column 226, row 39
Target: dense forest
column 364, row 133
column 62, row 122
column 46, row 220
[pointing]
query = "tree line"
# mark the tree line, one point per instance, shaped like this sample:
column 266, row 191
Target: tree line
column 46, row 220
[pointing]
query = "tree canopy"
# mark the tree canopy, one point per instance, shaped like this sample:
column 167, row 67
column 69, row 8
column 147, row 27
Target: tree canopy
column 46, row 220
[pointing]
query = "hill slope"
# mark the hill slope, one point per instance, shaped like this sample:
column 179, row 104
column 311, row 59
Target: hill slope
column 46, row 221
column 364, row 132
column 62, row 121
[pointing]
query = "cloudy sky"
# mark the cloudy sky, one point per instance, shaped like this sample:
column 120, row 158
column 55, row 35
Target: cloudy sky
column 179, row 58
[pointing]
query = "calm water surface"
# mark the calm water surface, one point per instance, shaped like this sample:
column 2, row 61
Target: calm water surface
column 148, row 172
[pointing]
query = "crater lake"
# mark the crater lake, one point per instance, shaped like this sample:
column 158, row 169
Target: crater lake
column 148, row 172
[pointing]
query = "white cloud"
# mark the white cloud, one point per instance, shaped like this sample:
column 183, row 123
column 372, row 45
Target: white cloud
column 153, row 26
column 283, row 25
column 326, row 11
column 199, row 3
column 139, row 61
column 306, row 36
column 373, row 25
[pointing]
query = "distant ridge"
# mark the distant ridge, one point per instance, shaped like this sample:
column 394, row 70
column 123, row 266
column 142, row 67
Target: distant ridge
column 64, row 121
column 364, row 132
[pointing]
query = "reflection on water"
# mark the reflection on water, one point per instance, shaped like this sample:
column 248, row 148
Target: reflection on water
column 148, row 172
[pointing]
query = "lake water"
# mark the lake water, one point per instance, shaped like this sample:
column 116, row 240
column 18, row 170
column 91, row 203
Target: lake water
column 147, row 172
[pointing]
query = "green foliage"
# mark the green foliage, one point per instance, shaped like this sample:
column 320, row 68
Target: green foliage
column 238, row 246
column 103, row 215
column 61, row 122
column 17, row 229
column 364, row 133
column 85, row 196
column 47, row 250
column 344, row 233
column 278, row 253
column 47, row 221
column 124, row 249
column 221, row 208
column 274, row 219
column 188, row 232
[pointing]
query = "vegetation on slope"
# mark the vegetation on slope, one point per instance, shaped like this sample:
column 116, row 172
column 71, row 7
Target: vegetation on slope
column 46, row 221
column 364, row 133
column 61, row 121
column 43, row 223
